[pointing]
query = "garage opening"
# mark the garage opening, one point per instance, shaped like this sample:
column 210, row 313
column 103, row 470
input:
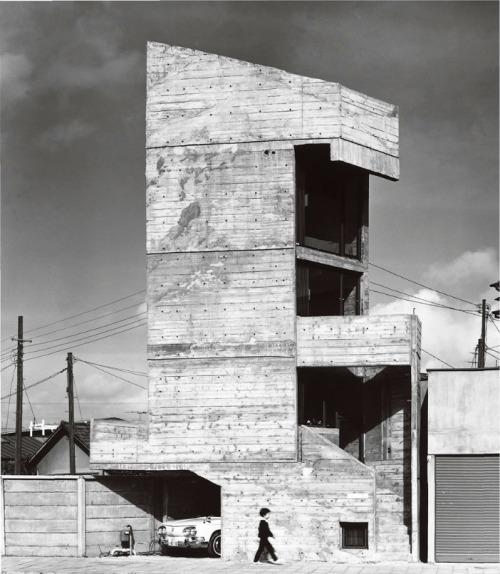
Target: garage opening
column 467, row 508
column 188, row 495
column 191, row 521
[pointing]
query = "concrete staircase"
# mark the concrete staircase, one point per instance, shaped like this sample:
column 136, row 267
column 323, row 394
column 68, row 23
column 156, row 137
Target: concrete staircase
column 393, row 540
column 391, row 519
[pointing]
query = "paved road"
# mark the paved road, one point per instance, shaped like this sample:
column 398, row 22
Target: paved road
column 203, row 565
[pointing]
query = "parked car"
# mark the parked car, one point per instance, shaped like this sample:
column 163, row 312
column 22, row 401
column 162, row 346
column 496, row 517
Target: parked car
column 201, row 532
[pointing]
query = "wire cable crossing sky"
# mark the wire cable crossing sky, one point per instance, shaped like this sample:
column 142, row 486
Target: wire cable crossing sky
column 73, row 103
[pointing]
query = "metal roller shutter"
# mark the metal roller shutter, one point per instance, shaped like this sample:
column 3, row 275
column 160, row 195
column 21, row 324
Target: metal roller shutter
column 467, row 508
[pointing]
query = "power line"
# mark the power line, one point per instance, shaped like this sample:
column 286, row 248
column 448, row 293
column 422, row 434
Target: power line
column 424, row 301
column 495, row 357
column 439, row 306
column 7, row 351
column 441, row 360
column 72, row 346
column 89, row 320
column 138, row 373
column 492, row 350
column 82, row 333
column 494, row 324
column 10, row 394
column 37, row 383
column 29, row 402
column 83, row 313
column 91, row 403
column 113, row 375
column 13, row 364
column 77, row 399
column 421, row 285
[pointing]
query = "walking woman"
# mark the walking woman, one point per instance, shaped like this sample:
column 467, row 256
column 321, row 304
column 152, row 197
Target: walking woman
column 264, row 535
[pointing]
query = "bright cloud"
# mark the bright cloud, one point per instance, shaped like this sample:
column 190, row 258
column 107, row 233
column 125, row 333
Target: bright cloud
column 449, row 334
column 472, row 272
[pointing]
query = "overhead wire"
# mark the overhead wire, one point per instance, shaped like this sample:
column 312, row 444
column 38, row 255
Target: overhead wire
column 113, row 375
column 421, row 285
column 89, row 320
column 13, row 364
column 430, row 304
column 77, row 399
column 87, row 343
column 7, row 351
column 29, row 402
column 494, row 356
column 418, row 299
column 38, row 382
column 10, row 394
column 494, row 324
column 138, row 373
column 83, row 313
column 437, row 358
column 71, row 344
column 83, row 332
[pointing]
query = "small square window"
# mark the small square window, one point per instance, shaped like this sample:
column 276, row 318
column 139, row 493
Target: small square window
column 354, row 534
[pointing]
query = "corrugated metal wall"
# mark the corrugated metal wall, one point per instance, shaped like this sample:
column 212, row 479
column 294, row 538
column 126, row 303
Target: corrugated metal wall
column 467, row 508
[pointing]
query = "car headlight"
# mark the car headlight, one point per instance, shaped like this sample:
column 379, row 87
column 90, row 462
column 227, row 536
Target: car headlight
column 189, row 531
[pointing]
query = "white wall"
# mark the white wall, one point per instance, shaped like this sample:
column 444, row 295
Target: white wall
column 57, row 460
column 464, row 409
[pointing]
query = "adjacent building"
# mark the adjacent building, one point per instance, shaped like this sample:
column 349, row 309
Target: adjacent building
column 269, row 381
column 463, row 465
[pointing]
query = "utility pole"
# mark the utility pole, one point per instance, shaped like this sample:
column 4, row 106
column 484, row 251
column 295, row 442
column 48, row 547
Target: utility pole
column 69, row 390
column 482, row 341
column 19, row 396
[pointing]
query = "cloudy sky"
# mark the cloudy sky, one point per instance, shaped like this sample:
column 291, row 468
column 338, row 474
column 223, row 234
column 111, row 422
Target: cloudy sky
column 73, row 185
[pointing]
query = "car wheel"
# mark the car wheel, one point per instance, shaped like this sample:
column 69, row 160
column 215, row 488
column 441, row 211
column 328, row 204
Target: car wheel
column 214, row 546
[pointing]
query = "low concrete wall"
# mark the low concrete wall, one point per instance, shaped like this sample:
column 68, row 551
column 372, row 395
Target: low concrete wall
column 74, row 515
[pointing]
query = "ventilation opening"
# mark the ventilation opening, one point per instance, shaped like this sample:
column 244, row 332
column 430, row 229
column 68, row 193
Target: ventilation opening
column 354, row 535
column 329, row 202
column 326, row 291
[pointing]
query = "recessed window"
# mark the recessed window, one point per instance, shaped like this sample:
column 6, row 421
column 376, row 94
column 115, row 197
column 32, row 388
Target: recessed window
column 329, row 202
column 326, row 291
column 354, row 535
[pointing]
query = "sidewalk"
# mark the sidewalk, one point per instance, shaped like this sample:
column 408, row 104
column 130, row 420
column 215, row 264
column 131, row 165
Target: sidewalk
column 202, row 565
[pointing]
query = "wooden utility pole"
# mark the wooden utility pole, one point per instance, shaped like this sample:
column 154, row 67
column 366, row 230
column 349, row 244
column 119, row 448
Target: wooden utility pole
column 72, row 469
column 482, row 342
column 19, row 397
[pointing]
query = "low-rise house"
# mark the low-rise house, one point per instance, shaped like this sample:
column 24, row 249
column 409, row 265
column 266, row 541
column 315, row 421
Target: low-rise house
column 53, row 456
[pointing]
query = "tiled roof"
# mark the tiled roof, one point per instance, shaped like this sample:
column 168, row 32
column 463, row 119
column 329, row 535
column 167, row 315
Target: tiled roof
column 29, row 445
column 82, row 431
column 82, row 439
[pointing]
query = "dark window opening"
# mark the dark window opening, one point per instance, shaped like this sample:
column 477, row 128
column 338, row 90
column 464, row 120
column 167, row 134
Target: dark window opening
column 326, row 291
column 354, row 535
column 331, row 398
column 329, row 202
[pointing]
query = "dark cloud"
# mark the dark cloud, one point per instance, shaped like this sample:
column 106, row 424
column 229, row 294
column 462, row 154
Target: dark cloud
column 73, row 105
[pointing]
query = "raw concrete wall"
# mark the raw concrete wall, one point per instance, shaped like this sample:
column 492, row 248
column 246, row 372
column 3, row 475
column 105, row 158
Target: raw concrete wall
column 74, row 516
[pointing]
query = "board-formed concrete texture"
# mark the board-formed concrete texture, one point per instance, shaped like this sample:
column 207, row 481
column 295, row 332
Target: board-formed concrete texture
column 224, row 337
